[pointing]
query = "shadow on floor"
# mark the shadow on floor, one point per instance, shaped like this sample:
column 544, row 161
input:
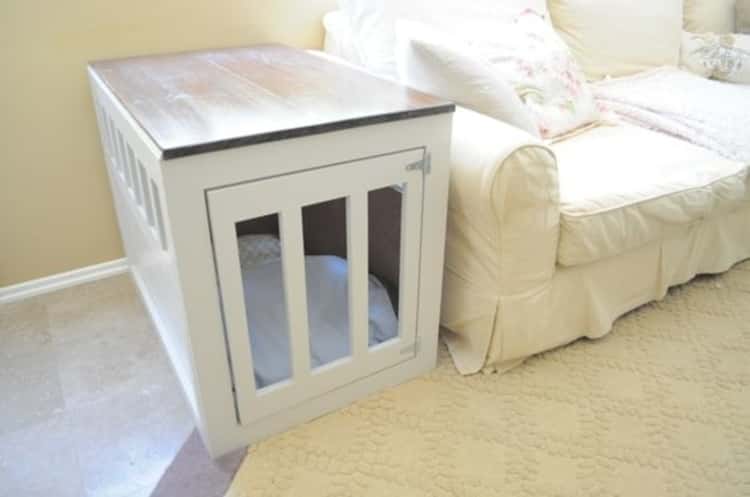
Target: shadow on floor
column 194, row 474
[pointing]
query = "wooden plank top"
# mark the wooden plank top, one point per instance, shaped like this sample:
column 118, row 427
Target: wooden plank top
column 198, row 102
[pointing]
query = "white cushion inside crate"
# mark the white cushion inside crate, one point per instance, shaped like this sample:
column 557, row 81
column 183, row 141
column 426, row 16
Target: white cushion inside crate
column 327, row 308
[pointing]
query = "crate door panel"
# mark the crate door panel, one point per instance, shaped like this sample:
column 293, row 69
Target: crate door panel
column 318, row 275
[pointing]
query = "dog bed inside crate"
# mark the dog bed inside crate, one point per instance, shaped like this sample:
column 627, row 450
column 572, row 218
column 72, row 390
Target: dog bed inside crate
column 327, row 308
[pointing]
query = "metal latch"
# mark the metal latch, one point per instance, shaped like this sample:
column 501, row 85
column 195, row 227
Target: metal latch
column 424, row 165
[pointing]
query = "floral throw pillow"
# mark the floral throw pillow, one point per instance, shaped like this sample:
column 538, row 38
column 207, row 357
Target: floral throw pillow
column 724, row 57
column 538, row 64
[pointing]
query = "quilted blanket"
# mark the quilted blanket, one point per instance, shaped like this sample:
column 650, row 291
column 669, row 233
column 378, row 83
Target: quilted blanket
column 712, row 114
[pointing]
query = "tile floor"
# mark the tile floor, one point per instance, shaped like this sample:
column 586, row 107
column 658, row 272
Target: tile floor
column 89, row 405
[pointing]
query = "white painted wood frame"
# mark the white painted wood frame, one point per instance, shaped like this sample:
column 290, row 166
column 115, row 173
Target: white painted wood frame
column 167, row 210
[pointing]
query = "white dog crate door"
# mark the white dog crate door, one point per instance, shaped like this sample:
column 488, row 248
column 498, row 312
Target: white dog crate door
column 309, row 302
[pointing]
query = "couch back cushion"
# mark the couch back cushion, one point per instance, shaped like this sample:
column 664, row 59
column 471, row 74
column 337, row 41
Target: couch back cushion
column 742, row 19
column 620, row 37
column 709, row 16
column 373, row 22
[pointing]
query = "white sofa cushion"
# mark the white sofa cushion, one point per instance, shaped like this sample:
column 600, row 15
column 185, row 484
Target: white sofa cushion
column 435, row 62
column 622, row 187
column 373, row 22
column 709, row 16
column 620, row 37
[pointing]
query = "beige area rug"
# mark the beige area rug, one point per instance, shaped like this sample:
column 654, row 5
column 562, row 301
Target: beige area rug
column 659, row 407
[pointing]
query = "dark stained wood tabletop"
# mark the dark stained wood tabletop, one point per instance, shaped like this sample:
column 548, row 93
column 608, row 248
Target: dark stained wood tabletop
column 198, row 102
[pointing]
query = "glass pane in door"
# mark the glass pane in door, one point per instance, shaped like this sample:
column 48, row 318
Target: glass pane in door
column 327, row 281
column 259, row 248
column 384, row 207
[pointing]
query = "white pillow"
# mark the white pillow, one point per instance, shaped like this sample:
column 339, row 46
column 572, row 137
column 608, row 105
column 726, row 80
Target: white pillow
column 538, row 64
column 339, row 39
column 373, row 22
column 724, row 57
column 709, row 16
column 620, row 37
column 527, row 55
column 435, row 62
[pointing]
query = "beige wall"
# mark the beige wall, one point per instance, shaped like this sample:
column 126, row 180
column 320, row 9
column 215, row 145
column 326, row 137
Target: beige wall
column 56, row 213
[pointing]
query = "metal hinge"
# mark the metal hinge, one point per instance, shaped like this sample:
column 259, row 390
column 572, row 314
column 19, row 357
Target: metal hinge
column 424, row 165
column 412, row 349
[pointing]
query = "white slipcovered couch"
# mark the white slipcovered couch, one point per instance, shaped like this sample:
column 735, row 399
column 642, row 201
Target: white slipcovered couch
column 537, row 258
column 552, row 241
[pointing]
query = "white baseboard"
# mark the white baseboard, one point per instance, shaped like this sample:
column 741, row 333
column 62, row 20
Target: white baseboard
column 59, row 281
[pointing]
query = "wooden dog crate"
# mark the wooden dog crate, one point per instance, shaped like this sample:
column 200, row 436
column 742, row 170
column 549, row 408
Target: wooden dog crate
column 284, row 220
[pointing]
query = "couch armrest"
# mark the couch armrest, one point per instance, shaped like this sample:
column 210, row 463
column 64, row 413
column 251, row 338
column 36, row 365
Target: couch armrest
column 503, row 226
column 504, row 203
